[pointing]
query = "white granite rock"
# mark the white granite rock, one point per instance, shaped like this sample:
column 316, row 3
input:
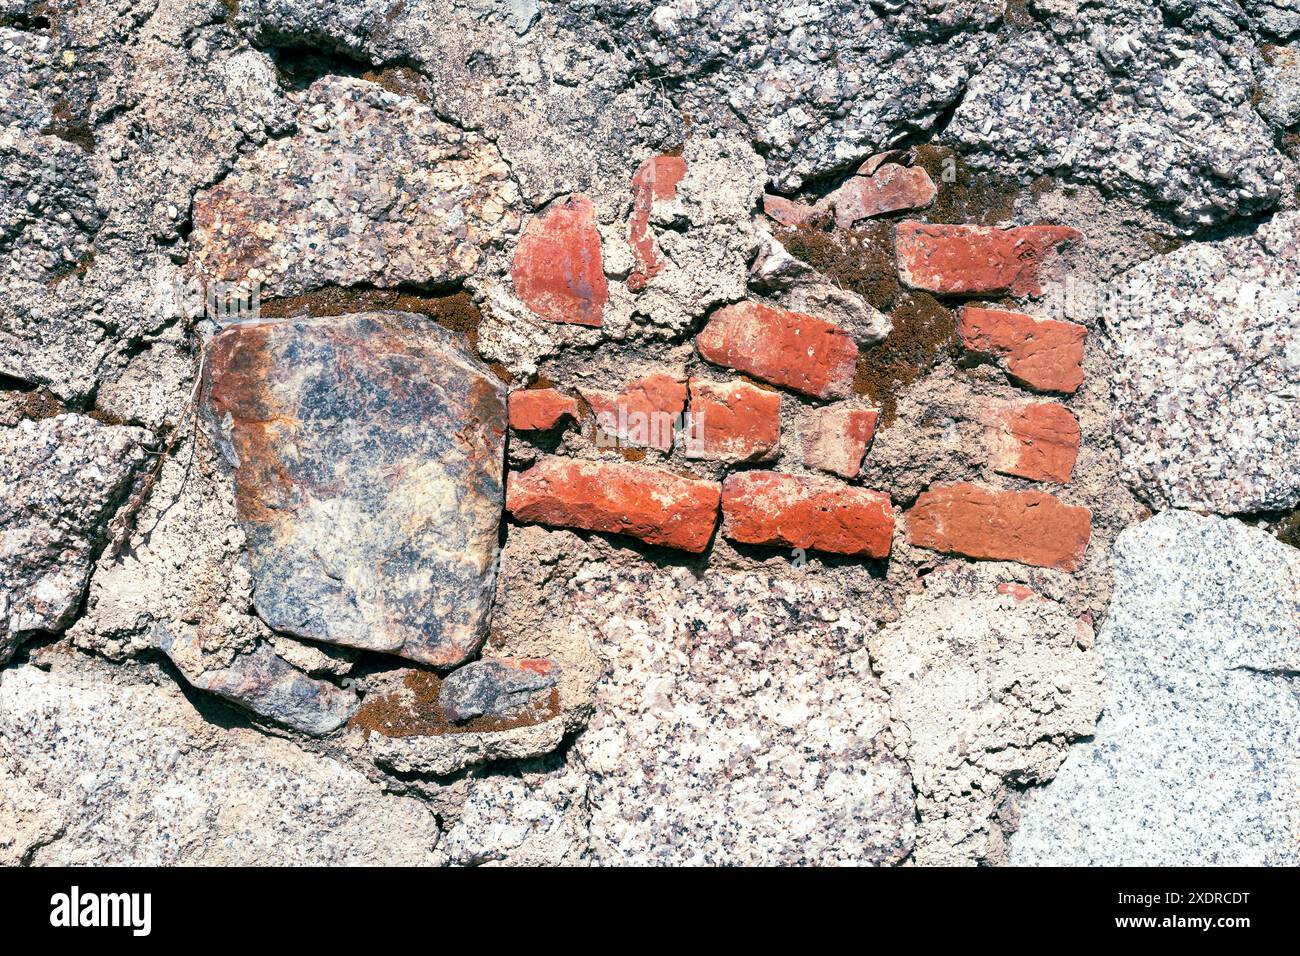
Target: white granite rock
column 1208, row 373
column 1195, row 761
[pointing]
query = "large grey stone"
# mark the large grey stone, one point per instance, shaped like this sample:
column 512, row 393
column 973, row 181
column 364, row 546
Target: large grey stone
column 61, row 480
column 100, row 767
column 1194, row 762
column 1208, row 374
column 738, row 722
column 367, row 454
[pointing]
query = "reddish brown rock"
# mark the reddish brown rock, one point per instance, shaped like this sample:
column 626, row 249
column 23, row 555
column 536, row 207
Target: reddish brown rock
column 647, row 412
column 789, row 212
column 557, row 268
column 765, row 507
column 835, row 438
column 1034, row 440
column 785, row 348
column 541, row 409
column 655, row 181
column 1030, row 527
column 1021, row 592
column 890, row 188
column 366, row 453
column 733, row 422
column 647, row 503
column 1042, row 354
column 983, row 260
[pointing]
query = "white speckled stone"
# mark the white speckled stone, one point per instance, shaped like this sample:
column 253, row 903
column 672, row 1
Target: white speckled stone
column 1197, row 757
column 1208, row 379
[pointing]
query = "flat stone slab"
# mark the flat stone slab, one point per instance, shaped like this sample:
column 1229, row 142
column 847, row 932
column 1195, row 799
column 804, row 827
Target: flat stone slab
column 1208, row 376
column 1194, row 760
column 367, row 454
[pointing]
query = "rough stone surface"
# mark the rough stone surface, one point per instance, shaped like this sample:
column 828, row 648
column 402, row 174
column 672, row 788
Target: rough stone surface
column 1042, row 354
column 764, row 507
column 733, row 422
column 1031, row 527
column 374, row 189
column 976, row 260
column 127, row 772
column 1193, row 762
column 367, row 455
column 1206, row 392
column 730, row 728
column 647, row 503
column 785, row 348
column 987, row 692
column 61, row 481
column 557, row 268
column 1034, row 440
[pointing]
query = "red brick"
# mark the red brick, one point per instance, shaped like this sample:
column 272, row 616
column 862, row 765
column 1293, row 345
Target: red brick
column 835, row 438
column 1041, row 354
column 891, row 188
column 647, row 503
column 557, row 270
column 764, row 507
column 646, row 412
column 733, row 422
column 1034, row 440
column 979, row 522
column 962, row 260
column 541, row 409
column 789, row 212
column 655, row 181
column 782, row 347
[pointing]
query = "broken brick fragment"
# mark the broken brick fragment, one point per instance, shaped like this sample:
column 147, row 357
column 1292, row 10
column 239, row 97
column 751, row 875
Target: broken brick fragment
column 1030, row 527
column 976, row 260
column 646, row 412
column 890, row 188
column 1042, row 354
column 766, row 507
column 557, row 268
column 654, row 505
column 733, row 422
column 1034, row 440
column 835, row 438
column 785, row 348
column 655, row 181
column 541, row 409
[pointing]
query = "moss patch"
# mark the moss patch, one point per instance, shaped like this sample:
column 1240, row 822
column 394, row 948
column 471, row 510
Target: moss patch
column 860, row 260
column 1288, row 529
column 966, row 196
column 455, row 312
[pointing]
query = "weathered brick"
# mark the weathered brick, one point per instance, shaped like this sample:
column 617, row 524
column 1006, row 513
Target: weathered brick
column 1021, row 592
column 557, row 269
column 1034, row 440
column 646, row 412
column 835, row 438
column 1042, row 354
column 654, row 505
column 765, row 507
column 541, row 409
column 1030, row 527
column 785, row 348
column 985, row 260
column 655, row 181
column 733, row 422
column 890, row 188
column 789, row 212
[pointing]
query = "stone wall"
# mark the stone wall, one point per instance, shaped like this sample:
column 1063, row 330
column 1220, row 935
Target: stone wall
column 529, row 432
